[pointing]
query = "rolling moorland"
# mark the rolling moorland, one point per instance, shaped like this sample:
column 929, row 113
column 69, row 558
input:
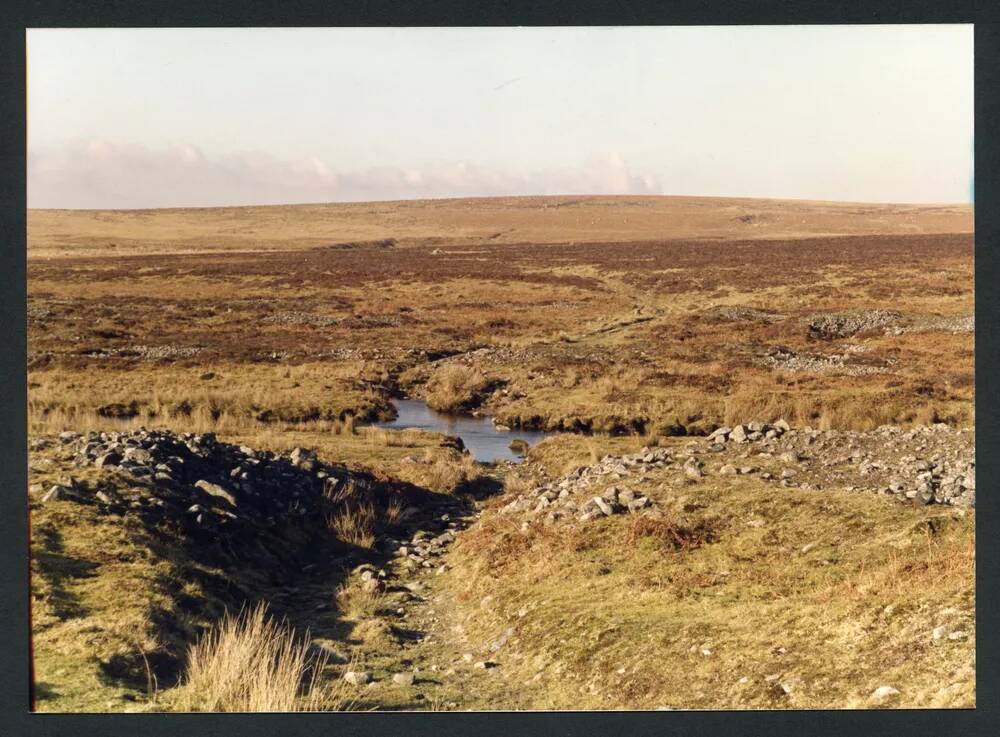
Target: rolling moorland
column 759, row 493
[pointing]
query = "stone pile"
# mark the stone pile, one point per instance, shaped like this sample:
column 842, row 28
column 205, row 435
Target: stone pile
column 925, row 465
column 748, row 433
column 214, row 486
column 298, row 317
column 930, row 464
column 743, row 314
column 847, row 363
column 844, row 325
column 146, row 352
column 577, row 496
column 429, row 543
column 947, row 324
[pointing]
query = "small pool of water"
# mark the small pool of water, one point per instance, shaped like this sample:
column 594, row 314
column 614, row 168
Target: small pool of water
column 481, row 438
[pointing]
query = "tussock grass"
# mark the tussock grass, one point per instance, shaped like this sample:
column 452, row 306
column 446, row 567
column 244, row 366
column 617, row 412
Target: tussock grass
column 441, row 469
column 357, row 602
column 684, row 363
column 354, row 523
column 562, row 454
column 344, row 426
column 380, row 437
column 393, row 512
column 455, row 387
column 237, row 396
column 250, row 662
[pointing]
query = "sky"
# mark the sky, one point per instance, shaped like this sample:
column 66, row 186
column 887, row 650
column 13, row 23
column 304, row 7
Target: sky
column 140, row 118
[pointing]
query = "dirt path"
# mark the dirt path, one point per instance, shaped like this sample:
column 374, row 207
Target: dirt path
column 402, row 639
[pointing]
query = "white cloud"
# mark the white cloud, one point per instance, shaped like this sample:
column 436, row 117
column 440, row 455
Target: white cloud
column 106, row 174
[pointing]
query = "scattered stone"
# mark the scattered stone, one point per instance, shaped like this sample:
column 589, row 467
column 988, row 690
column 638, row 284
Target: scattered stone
column 403, row 679
column 790, row 684
column 55, row 494
column 693, row 472
column 502, row 640
column 518, row 446
column 216, row 491
column 140, row 456
column 358, row 678
column 603, row 506
column 303, row 458
column 108, row 459
column 883, row 694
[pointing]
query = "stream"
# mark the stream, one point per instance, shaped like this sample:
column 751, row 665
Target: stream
column 480, row 436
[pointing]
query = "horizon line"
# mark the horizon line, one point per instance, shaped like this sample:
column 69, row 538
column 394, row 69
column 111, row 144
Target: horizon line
column 917, row 203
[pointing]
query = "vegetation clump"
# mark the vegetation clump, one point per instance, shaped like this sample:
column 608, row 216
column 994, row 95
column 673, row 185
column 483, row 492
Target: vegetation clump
column 457, row 388
column 250, row 662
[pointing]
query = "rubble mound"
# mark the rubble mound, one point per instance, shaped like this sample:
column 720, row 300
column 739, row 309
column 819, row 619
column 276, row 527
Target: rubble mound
column 238, row 498
column 584, row 494
column 846, row 324
column 923, row 465
column 850, row 362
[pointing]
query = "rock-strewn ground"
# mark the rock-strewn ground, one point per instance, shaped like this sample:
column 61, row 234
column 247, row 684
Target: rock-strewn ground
column 207, row 484
column 394, row 618
column 256, row 526
column 926, row 465
column 651, row 317
column 772, row 567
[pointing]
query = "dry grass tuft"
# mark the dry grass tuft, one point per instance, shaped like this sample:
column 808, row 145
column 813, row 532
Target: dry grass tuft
column 454, row 388
column 354, row 524
column 394, row 512
column 250, row 663
column 357, row 602
column 443, row 470
column 344, row 426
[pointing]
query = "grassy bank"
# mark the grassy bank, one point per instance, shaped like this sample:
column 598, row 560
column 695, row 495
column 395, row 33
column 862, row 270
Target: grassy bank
column 742, row 596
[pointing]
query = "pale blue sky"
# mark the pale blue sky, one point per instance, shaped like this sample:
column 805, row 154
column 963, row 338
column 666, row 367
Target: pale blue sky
column 187, row 117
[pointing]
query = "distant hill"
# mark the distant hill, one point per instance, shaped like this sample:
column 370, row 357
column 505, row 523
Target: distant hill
column 557, row 219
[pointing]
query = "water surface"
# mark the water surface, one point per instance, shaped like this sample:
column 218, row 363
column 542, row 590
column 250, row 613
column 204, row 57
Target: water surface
column 481, row 438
